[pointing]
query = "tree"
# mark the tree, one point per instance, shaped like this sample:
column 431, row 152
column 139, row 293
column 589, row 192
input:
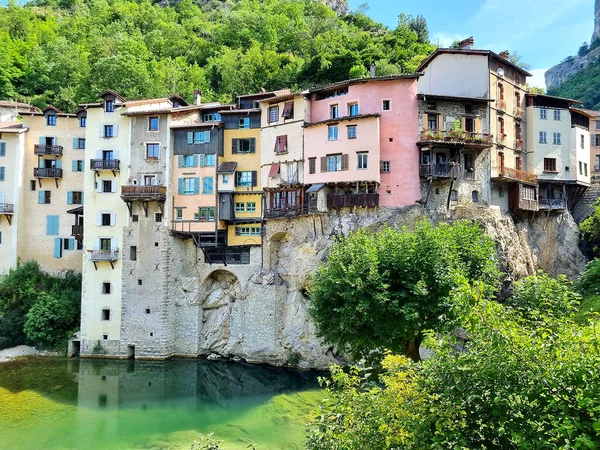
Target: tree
column 419, row 25
column 381, row 291
column 517, row 60
column 590, row 229
column 583, row 49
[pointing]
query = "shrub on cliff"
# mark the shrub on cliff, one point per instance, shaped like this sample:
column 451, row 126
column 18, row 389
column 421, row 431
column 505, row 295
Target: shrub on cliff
column 381, row 291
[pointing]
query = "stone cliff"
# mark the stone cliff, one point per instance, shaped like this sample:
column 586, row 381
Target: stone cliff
column 258, row 312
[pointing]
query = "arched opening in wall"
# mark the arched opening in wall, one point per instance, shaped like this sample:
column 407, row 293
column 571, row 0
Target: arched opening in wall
column 475, row 196
column 279, row 251
column 220, row 290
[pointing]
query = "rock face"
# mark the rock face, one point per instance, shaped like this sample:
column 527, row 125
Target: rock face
column 341, row 6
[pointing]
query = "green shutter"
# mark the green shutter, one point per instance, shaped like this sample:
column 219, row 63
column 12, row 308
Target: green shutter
column 194, row 160
column 196, row 185
column 180, row 161
column 252, row 145
column 202, row 160
column 190, row 137
column 180, row 186
column 69, row 197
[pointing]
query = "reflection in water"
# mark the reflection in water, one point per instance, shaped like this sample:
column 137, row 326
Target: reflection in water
column 97, row 404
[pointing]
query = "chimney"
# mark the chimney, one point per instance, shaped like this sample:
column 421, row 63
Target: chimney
column 372, row 70
column 197, row 97
column 466, row 44
column 504, row 54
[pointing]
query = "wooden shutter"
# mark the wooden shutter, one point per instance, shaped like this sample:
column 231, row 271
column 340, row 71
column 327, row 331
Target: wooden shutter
column 345, row 161
column 113, row 219
column 99, row 219
column 477, row 125
column 234, row 146
column 202, row 160
column 180, row 186
column 190, row 137
column 58, row 164
column 283, row 143
column 254, row 178
column 41, row 197
column 75, row 143
column 115, row 130
column 276, row 149
column 42, row 140
column 82, row 197
column 425, row 122
column 194, row 160
column 323, row 163
column 101, row 131
column 180, row 161
column 196, row 185
column 69, row 197
column 2, row 148
column 252, row 145
column 57, row 247
column 113, row 186
column 236, row 178
column 74, row 165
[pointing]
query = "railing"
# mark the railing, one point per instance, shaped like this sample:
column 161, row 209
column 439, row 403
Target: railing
column 501, row 139
column 501, row 104
column 519, row 144
column 455, row 136
column 76, row 230
column 105, row 164
column 7, row 208
column 351, row 200
column 438, row 171
column 146, row 192
column 469, row 174
column 553, row 203
column 289, row 211
column 48, row 150
column 514, row 174
column 104, row 255
column 528, row 205
column 518, row 112
column 51, row 172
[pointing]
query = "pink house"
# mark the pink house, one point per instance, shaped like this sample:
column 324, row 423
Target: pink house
column 361, row 141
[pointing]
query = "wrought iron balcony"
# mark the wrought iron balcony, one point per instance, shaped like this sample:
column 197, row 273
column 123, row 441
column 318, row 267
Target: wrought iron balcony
column 352, row 200
column 7, row 208
column 105, row 164
column 47, row 172
column 515, row 175
column 48, row 150
column 457, row 137
column 438, row 171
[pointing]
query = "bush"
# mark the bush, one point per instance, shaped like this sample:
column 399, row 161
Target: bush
column 589, row 282
column 51, row 321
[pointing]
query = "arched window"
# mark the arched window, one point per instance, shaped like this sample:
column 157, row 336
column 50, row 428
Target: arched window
column 475, row 196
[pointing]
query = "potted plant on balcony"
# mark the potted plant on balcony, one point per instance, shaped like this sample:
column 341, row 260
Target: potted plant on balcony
column 456, row 132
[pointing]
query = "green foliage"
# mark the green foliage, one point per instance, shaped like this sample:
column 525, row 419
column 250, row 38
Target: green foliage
column 582, row 86
column 590, row 229
column 38, row 308
column 68, row 51
column 517, row 60
column 208, row 443
column 99, row 349
column 589, row 282
column 519, row 384
column 380, row 291
column 583, row 49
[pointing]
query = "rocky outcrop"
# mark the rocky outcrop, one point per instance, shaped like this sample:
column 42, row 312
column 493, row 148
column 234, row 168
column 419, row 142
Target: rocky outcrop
column 557, row 75
column 339, row 6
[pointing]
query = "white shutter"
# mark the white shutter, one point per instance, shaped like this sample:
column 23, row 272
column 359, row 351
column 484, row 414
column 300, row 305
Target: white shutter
column 115, row 130
column 99, row 219
column 97, row 244
column 99, row 186
column 98, row 154
column 101, row 130
column 1, row 196
column 113, row 244
column 113, row 186
column 115, row 154
column 113, row 219
column 154, row 181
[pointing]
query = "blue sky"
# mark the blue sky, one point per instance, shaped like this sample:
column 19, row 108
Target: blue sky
column 544, row 33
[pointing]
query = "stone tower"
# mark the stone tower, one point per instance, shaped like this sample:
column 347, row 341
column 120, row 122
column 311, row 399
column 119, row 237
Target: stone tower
column 596, row 34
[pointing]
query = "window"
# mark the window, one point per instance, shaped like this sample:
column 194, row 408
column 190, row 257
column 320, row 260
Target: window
column 135, row 218
column 44, row 197
column 76, row 198
column 273, row 114
column 582, row 141
column 597, row 166
column 353, row 109
column 543, row 137
column 198, row 137
column 109, row 131
column 469, row 125
column 244, row 123
column 431, row 106
column 288, row 110
column 152, row 151
column 107, row 155
column 500, row 71
column 207, row 214
column 469, row 165
column 2, row 148
column 597, row 124
column 106, row 314
column 501, row 125
column 153, row 124
column 179, row 214
column 386, row 105
column 158, row 217
column 105, row 244
column 105, row 219
column 597, row 140
column 133, row 253
column 332, row 94
column 453, row 195
column 207, row 160
column 245, row 179
column 106, row 186
column 51, row 120
column 251, row 207
column 149, row 180
column 549, row 164
column 385, row 167
column 363, row 159
column 334, row 111
column 518, row 133
column 109, row 106
column 334, row 163
column 475, row 196
column 82, row 121
column 332, row 131
column 79, row 143
column 500, row 91
column 211, row 117
column 32, row 185
column 106, row 288
column 247, row 231
column 188, row 186
column 312, row 166
column 585, row 169
column 281, row 144
column 556, row 138
column 351, row 131
column 240, row 207
column 557, row 114
column 207, row 185
column 244, row 146
column 580, row 168
column 543, row 114
column 432, row 122
column 468, row 108
column 528, row 193
column 518, row 163
column 189, row 161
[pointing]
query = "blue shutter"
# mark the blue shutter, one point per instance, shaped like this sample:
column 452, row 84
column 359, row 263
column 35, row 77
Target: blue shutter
column 51, row 225
column 69, row 197
column 41, row 197
column 2, row 148
column 74, row 165
column 2, row 173
column 210, row 185
column 190, row 137
column 207, row 136
column 196, row 185
column 42, row 140
column 180, row 161
column 57, row 247
column 58, row 164
column 75, row 143
column 202, row 160
column 71, row 244
column 194, row 160
column 82, row 197
column 180, row 187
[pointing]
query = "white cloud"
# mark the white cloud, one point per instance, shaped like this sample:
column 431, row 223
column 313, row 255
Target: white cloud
column 537, row 80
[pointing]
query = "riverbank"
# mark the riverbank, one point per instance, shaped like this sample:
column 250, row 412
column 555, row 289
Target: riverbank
column 9, row 354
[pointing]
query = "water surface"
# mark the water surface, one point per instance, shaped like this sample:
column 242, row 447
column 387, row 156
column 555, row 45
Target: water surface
column 55, row 403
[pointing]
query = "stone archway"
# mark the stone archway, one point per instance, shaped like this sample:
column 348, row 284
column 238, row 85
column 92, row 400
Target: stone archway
column 220, row 290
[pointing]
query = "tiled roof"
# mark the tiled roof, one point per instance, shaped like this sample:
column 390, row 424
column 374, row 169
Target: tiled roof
column 452, row 98
column 12, row 127
column 341, row 119
column 401, row 76
column 197, row 125
column 227, row 167
column 234, row 111
column 589, row 113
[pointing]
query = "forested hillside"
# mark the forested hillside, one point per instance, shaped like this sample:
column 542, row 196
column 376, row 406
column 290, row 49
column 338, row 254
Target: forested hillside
column 583, row 86
column 68, row 51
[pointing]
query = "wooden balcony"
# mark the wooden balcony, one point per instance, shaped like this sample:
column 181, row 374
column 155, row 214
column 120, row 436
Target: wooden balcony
column 7, row 209
column 456, row 137
column 49, row 172
column 438, row 171
column 48, row 150
column 290, row 211
column 105, row 164
column 519, row 112
column 336, row 201
column 144, row 195
column 77, row 231
column 104, row 255
column 553, row 203
column 504, row 173
column 519, row 144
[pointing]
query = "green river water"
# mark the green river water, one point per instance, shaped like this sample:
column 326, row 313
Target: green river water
column 57, row 403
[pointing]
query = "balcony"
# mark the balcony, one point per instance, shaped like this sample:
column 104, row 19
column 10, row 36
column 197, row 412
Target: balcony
column 504, row 173
column 519, row 112
column 47, row 172
column 77, row 231
column 143, row 194
column 8, row 210
column 110, row 256
column 105, row 164
column 456, row 137
column 290, row 211
column 552, row 203
column 519, row 144
column 438, row 171
column 336, row 201
column 48, row 150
